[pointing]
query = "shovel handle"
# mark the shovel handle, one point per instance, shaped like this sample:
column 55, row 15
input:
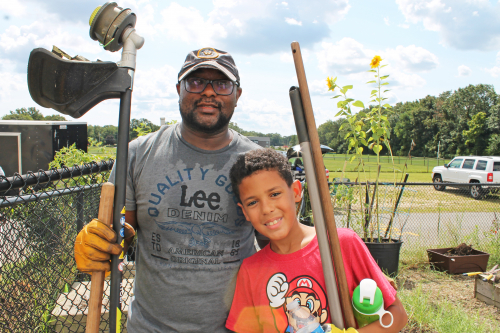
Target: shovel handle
column 324, row 192
column 97, row 281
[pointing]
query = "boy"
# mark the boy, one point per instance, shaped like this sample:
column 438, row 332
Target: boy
column 289, row 268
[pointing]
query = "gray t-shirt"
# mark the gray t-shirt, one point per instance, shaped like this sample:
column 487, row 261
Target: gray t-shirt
column 192, row 237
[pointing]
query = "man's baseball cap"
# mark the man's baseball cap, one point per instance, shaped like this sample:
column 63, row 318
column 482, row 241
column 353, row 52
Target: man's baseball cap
column 209, row 57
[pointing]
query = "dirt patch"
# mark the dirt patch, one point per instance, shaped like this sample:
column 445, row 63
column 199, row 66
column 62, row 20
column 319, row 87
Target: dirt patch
column 461, row 250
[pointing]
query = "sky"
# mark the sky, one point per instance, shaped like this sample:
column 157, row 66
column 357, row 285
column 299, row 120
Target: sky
column 430, row 46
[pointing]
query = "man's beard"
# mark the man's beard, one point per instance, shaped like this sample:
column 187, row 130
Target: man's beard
column 189, row 119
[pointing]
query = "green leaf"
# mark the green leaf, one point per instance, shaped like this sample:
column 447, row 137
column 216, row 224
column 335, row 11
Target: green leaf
column 377, row 149
column 360, row 151
column 358, row 104
column 349, row 100
column 346, row 136
column 361, row 114
column 384, row 77
column 363, row 141
column 353, row 157
column 372, row 70
column 385, row 83
column 343, row 91
column 374, row 92
column 373, row 81
column 338, row 114
column 347, row 87
column 383, row 66
column 336, row 96
column 340, row 104
column 387, row 90
column 386, row 105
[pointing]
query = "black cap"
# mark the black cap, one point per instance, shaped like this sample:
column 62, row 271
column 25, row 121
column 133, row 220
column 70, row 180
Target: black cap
column 208, row 57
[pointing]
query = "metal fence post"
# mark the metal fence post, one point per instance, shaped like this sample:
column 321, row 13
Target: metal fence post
column 79, row 211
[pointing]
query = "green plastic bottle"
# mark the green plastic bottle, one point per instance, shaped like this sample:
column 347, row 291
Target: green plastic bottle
column 368, row 304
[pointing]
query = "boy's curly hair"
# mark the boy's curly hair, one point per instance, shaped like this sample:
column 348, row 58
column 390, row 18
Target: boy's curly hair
column 257, row 160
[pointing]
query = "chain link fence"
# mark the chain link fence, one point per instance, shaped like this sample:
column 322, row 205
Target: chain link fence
column 422, row 215
column 40, row 215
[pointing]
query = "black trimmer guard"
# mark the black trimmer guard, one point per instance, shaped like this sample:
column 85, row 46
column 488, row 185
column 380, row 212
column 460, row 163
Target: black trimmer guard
column 73, row 87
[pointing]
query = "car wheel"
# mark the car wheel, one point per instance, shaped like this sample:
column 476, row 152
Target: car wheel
column 476, row 192
column 438, row 183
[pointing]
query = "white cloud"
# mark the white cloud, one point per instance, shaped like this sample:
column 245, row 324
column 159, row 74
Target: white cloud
column 454, row 22
column 16, row 42
column 318, row 87
column 12, row 8
column 386, row 21
column 12, row 81
column 404, row 26
column 412, row 58
column 264, row 115
column 494, row 71
column 349, row 57
column 344, row 57
column 406, row 80
column 464, row 70
column 259, row 26
column 189, row 25
column 292, row 21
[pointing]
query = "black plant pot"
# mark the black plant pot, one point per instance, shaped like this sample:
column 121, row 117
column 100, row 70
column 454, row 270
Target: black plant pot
column 386, row 254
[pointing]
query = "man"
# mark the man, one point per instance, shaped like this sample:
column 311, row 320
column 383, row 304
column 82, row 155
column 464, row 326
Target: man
column 191, row 236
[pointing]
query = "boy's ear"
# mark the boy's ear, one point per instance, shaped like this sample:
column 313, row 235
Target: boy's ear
column 297, row 190
column 243, row 209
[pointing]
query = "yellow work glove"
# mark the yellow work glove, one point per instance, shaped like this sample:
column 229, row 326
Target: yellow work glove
column 95, row 244
column 333, row 329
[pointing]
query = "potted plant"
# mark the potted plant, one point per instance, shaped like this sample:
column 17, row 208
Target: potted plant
column 370, row 128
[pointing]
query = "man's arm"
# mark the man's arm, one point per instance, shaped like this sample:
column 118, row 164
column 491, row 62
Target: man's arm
column 130, row 218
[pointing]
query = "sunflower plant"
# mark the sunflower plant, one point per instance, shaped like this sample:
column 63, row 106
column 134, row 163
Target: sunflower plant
column 375, row 118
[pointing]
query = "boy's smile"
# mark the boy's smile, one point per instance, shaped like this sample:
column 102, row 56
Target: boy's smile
column 269, row 204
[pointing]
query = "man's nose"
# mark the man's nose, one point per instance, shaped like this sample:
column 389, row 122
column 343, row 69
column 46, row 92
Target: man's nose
column 209, row 91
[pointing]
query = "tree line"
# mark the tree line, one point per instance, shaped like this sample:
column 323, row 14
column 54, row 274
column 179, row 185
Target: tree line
column 462, row 122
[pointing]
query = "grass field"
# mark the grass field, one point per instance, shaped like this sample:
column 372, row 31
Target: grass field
column 419, row 168
column 103, row 151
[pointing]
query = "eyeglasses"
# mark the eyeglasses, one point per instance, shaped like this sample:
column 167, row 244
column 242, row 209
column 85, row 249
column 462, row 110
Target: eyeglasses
column 197, row 85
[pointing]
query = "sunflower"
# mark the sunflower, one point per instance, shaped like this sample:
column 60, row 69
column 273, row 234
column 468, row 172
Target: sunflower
column 375, row 61
column 330, row 83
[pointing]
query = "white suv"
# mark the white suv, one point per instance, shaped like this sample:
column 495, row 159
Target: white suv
column 469, row 169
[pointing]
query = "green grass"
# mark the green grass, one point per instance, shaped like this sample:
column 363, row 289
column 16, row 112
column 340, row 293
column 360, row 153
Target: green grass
column 443, row 316
column 102, row 150
column 419, row 168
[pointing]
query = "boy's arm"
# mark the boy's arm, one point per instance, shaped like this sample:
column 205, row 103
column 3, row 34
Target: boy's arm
column 400, row 320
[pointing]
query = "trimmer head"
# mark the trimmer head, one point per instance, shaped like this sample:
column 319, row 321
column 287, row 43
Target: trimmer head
column 73, row 87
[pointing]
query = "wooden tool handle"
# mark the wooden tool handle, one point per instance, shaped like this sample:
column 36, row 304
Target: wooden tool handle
column 345, row 299
column 97, row 281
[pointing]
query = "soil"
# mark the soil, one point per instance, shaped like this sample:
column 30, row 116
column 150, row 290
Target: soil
column 457, row 289
column 461, row 250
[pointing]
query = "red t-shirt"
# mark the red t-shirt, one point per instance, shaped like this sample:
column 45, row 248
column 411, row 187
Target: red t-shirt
column 267, row 281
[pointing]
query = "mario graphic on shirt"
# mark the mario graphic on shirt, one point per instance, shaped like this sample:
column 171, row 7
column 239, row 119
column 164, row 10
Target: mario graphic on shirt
column 303, row 289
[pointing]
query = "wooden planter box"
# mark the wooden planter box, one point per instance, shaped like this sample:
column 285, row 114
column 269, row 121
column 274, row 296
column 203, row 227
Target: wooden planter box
column 487, row 291
column 475, row 262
